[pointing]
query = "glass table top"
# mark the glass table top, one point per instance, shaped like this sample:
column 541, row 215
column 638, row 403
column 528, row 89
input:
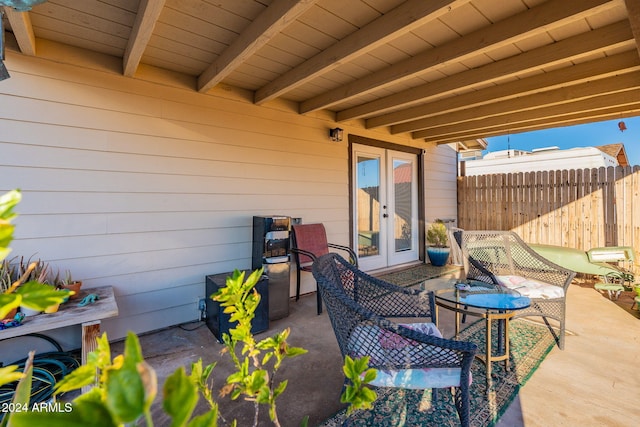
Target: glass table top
column 472, row 293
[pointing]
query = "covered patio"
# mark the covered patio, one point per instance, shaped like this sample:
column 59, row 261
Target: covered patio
column 592, row 382
column 146, row 134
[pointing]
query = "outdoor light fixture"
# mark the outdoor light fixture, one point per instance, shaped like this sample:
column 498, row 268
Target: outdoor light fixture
column 335, row 134
column 21, row 5
column 4, row 74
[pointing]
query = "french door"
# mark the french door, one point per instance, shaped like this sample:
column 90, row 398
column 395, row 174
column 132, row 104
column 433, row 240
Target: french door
column 385, row 206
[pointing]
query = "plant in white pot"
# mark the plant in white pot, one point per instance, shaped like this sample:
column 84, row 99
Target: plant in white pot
column 438, row 243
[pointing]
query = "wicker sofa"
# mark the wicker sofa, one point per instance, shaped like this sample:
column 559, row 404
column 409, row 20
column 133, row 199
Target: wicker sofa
column 405, row 355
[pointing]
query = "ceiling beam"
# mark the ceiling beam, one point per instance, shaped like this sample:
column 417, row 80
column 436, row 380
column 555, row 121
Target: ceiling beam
column 261, row 31
column 631, row 110
column 472, row 144
column 611, row 36
column 613, row 113
column 562, row 95
column 22, row 30
column 509, row 119
column 401, row 20
column 633, row 13
column 539, row 19
column 592, row 70
column 148, row 14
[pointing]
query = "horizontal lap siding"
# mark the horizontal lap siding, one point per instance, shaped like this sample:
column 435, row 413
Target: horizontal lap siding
column 440, row 183
column 135, row 188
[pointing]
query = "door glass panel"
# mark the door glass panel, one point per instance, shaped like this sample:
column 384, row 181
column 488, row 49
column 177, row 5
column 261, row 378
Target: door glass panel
column 402, row 186
column 368, row 209
column 385, row 207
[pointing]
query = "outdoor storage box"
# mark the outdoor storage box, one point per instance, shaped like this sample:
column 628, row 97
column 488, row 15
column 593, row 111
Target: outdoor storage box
column 218, row 321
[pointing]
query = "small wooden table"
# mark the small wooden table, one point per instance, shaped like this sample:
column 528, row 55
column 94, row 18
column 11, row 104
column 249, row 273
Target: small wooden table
column 70, row 314
column 491, row 302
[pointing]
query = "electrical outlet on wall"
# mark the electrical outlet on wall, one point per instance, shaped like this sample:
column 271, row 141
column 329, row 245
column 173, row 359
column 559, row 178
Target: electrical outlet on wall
column 202, row 306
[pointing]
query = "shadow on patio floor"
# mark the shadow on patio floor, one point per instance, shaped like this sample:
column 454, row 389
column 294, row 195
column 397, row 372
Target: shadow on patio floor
column 589, row 383
column 314, row 379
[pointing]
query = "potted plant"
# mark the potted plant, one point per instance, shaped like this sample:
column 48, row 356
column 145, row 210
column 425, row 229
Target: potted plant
column 40, row 271
column 31, row 271
column 70, row 284
column 438, row 243
column 14, row 273
column 6, row 280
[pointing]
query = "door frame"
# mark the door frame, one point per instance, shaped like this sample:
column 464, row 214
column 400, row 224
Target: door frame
column 361, row 140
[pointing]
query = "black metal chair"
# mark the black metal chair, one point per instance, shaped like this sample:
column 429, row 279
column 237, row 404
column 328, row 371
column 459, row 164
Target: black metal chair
column 309, row 241
column 503, row 258
column 405, row 355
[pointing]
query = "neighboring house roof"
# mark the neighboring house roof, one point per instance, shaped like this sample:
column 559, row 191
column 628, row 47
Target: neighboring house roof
column 403, row 173
column 616, row 151
column 542, row 159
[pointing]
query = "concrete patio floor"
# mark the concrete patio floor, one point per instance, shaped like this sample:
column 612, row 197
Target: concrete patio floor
column 593, row 382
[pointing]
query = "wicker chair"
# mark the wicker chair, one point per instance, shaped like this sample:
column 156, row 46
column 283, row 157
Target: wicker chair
column 503, row 258
column 405, row 355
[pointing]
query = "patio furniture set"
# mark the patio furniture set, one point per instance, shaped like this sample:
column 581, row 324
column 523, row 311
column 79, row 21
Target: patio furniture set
column 505, row 280
column 613, row 265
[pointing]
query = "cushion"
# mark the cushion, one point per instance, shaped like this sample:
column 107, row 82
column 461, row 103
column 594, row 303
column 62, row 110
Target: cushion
column 530, row 287
column 418, row 379
column 390, row 340
column 381, row 345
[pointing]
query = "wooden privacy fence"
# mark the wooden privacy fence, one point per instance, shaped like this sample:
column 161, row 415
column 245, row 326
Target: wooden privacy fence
column 581, row 208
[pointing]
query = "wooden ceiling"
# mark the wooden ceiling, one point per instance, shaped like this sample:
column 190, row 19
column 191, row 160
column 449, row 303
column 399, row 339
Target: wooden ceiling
column 440, row 70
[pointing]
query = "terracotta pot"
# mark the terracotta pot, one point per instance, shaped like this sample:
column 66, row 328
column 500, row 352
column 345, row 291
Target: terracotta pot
column 75, row 287
column 11, row 314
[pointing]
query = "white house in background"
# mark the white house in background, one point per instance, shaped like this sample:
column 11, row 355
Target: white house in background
column 544, row 159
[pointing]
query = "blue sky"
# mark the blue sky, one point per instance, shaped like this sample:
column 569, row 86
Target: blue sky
column 588, row 135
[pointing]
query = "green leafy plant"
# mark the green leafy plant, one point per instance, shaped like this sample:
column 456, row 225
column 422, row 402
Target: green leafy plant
column 23, row 291
column 8, row 202
column 125, row 386
column 31, row 294
column 356, row 393
column 259, row 361
column 124, row 390
column 437, row 234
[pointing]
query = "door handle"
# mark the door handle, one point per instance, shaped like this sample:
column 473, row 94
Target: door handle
column 385, row 215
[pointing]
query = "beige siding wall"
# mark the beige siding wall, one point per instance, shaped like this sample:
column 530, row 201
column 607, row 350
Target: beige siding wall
column 149, row 187
column 440, row 183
